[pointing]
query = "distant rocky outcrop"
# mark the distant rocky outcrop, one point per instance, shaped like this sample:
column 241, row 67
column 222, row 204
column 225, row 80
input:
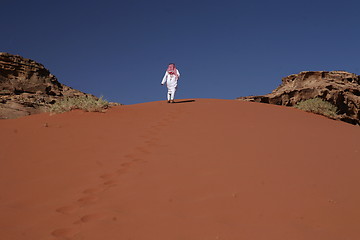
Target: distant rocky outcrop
column 27, row 87
column 337, row 87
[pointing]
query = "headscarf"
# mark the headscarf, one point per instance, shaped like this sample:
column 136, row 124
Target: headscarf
column 172, row 70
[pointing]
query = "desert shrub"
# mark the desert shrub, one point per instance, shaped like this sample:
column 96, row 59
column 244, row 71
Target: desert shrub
column 318, row 106
column 86, row 103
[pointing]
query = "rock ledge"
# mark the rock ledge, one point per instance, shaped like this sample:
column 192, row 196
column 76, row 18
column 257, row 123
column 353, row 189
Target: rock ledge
column 337, row 87
column 27, row 87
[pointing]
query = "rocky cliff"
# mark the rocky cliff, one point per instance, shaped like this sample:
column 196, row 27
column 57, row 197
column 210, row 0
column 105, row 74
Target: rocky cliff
column 337, row 87
column 27, row 87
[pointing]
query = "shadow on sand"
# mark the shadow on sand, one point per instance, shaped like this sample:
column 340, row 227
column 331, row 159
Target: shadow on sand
column 185, row 101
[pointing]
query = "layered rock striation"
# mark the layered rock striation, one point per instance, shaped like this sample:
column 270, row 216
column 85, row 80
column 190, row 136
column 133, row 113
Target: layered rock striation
column 27, row 87
column 337, row 87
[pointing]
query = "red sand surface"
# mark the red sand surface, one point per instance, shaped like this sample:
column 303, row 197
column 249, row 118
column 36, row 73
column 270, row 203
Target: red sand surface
column 209, row 169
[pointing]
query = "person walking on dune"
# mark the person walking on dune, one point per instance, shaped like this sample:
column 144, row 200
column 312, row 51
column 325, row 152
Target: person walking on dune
column 171, row 78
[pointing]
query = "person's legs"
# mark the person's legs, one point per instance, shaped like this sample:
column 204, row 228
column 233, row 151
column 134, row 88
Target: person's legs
column 172, row 96
column 168, row 96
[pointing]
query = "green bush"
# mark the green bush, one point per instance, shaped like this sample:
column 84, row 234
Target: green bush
column 86, row 103
column 318, row 106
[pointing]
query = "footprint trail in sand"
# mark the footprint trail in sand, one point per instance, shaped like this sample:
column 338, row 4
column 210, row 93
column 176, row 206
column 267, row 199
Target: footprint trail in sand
column 108, row 180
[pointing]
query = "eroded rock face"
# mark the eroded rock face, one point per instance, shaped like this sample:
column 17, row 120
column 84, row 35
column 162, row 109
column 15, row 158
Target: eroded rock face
column 337, row 87
column 27, row 87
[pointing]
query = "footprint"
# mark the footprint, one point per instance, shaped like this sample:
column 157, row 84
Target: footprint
column 152, row 132
column 92, row 190
column 121, row 171
column 126, row 164
column 151, row 144
column 139, row 160
column 92, row 217
column 145, row 136
column 77, row 222
column 88, row 200
column 65, row 233
column 143, row 150
column 67, row 209
column 151, row 141
column 110, row 183
column 129, row 156
column 107, row 175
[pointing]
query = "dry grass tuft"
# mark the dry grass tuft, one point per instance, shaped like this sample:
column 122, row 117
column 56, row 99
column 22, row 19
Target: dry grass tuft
column 318, row 106
column 86, row 103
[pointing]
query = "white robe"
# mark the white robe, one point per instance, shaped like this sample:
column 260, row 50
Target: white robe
column 171, row 83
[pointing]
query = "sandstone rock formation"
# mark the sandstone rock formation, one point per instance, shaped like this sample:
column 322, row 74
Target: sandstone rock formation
column 27, row 87
column 337, row 87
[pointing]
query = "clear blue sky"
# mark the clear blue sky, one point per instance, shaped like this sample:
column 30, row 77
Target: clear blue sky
column 223, row 49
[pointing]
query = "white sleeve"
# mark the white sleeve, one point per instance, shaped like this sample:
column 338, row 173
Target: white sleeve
column 164, row 78
column 178, row 73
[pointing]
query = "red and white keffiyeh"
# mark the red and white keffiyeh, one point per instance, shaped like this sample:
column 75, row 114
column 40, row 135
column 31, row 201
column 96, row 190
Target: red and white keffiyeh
column 172, row 70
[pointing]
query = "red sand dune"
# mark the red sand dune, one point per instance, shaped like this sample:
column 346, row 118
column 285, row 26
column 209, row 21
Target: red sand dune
column 209, row 169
